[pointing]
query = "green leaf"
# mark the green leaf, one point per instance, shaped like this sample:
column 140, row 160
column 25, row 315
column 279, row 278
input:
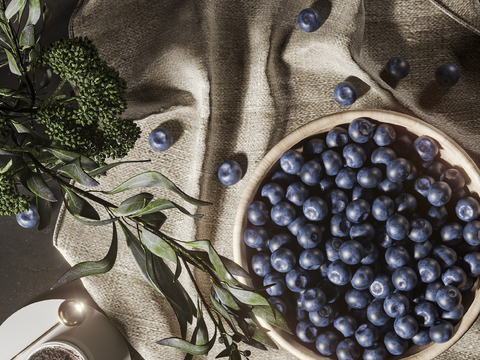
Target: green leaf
column 80, row 206
column 202, row 331
column 133, row 204
column 75, row 171
column 158, row 246
column 90, row 222
column 34, row 11
column 154, row 221
column 164, row 204
column 14, row 7
column 46, row 14
column 7, row 166
column 12, row 63
column 39, row 187
column 248, row 297
column 38, row 139
column 231, row 266
column 225, row 297
column 45, row 211
column 103, row 169
column 27, row 37
column 187, row 347
column 68, row 156
column 225, row 353
column 277, row 319
column 222, row 311
column 91, row 267
column 156, row 180
column 259, row 335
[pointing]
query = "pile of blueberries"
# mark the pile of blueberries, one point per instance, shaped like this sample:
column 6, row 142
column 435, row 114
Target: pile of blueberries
column 368, row 240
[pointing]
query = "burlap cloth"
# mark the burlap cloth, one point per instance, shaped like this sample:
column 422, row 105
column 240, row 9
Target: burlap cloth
column 231, row 78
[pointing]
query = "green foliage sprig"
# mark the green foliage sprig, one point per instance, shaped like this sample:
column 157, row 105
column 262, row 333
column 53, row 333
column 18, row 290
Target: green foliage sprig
column 83, row 130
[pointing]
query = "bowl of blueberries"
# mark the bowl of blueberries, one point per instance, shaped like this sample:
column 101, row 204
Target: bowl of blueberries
column 364, row 228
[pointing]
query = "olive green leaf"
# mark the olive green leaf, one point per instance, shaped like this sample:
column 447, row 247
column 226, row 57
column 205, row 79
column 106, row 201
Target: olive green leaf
column 248, row 297
column 225, row 297
column 164, row 204
column 103, row 169
column 75, row 171
column 265, row 312
column 37, row 185
column 154, row 220
column 46, row 14
column 154, row 179
column 201, row 328
column 7, row 166
column 133, row 204
column 187, row 347
column 27, row 37
column 260, row 336
column 34, row 12
column 222, row 311
column 158, row 246
column 12, row 63
column 91, row 267
column 14, row 7
column 89, row 222
column 232, row 266
column 45, row 211
column 68, row 156
column 80, row 206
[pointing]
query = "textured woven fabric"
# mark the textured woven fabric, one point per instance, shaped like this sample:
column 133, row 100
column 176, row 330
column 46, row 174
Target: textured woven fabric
column 232, row 78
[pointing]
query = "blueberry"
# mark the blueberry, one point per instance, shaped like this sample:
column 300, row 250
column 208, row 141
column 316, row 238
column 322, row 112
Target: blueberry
column 326, row 184
column 357, row 299
column 160, row 139
column 452, row 234
column 426, row 313
column 472, row 261
column 354, row 155
column 297, row 193
column 398, row 170
column 397, row 68
column 282, row 178
column 382, row 208
column 375, row 352
column 467, row 209
column 432, row 289
column 357, row 211
column 423, row 183
column 436, row 169
column 437, row 215
column 426, row 147
column 366, row 335
column 337, row 201
column 315, row 209
column 396, row 305
column 405, row 204
column 376, row 314
column 453, row 178
column 471, row 233
column 332, row 291
column 332, row 162
column 230, row 172
column 255, row 237
column 455, row 314
column 29, row 218
column 445, row 256
column 404, row 279
column 345, row 93
column 403, row 145
column 309, row 236
column 369, row 177
column 275, row 278
column 429, row 270
column 257, row 213
column 363, row 233
column 274, row 192
column 439, row 193
column 397, row 256
column 422, row 338
column 420, row 230
column 381, row 286
column 395, row 344
column 348, row 349
column 279, row 304
column 309, row 20
column 383, row 155
column 441, row 331
column 346, row 324
column 340, row 225
column 389, row 187
column 469, row 285
column 370, row 252
column 447, row 75
column 351, row 252
column 279, row 240
column 311, row 172
column 448, row 297
column 406, row 327
column 313, row 299
column 296, row 224
column 326, row 343
column 361, row 130
column 291, row 161
column 339, row 273
column 359, row 192
column 283, row 260
column 311, row 259
column 297, row 280
column 261, row 264
column 422, row 250
column 362, row 278
column 322, row 317
column 306, row 331
column 455, row 276
column 397, row 227
column 314, row 147
column 283, row 213
column 332, row 247
column 384, row 135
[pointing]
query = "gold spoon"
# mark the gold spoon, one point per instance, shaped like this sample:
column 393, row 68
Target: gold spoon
column 71, row 312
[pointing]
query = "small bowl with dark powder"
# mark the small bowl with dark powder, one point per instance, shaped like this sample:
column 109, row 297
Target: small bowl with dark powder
column 57, row 351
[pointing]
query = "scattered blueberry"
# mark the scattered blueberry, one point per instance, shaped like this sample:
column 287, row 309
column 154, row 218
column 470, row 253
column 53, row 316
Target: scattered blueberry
column 332, row 162
column 283, row 260
column 313, row 299
column 314, row 147
column 452, row 233
column 455, row 276
column 357, row 299
column 471, row 233
column 439, row 193
column 448, row 297
column 397, row 68
column 309, row 236
column 397, row 256
column 467, row 209
column 445, row 256
column 422, row 338
column 369, row 177
column 340, row 225
column 366, row 335
column 370, row 252
column 283, row 213
column 279, row 304
column 426, row 313
column 382, row 208
column 422, row 250
column 420, row 230
column 339, row 273
column 322, row 317
column 383, row 155
column 398, row 170
column 363, row 233
column 345, row 93
column 375, row 352
column 447, row 75
column 296, row 224
column 376, row 314
column 351, row 252
column 230, row 172
column 472, row 261
column 278, row 280
column 29, row 218
column 337, row 201
column 160, row 139
column 405, row 204
column 432, row 289
column 309, row 20
column 396, row 305
column 354, row 156
column 426, row 147
column 397, row 226
column 404, row 279
column 454, row 178
column 357, row 211
column 361, row 130
column 455, row 314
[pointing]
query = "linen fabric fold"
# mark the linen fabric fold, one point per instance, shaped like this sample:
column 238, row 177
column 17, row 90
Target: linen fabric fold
column 230, row 79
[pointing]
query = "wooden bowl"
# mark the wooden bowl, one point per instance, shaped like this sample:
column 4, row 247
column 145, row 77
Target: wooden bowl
column 449, row 152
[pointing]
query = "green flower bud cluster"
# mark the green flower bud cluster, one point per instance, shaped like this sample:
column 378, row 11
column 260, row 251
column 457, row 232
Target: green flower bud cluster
column 90, row 125
column 10, row 200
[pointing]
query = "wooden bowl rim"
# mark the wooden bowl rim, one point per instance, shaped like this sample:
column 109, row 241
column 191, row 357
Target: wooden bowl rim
column 322, row 125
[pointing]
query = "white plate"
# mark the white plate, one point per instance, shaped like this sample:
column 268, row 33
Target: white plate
column 96, row 336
